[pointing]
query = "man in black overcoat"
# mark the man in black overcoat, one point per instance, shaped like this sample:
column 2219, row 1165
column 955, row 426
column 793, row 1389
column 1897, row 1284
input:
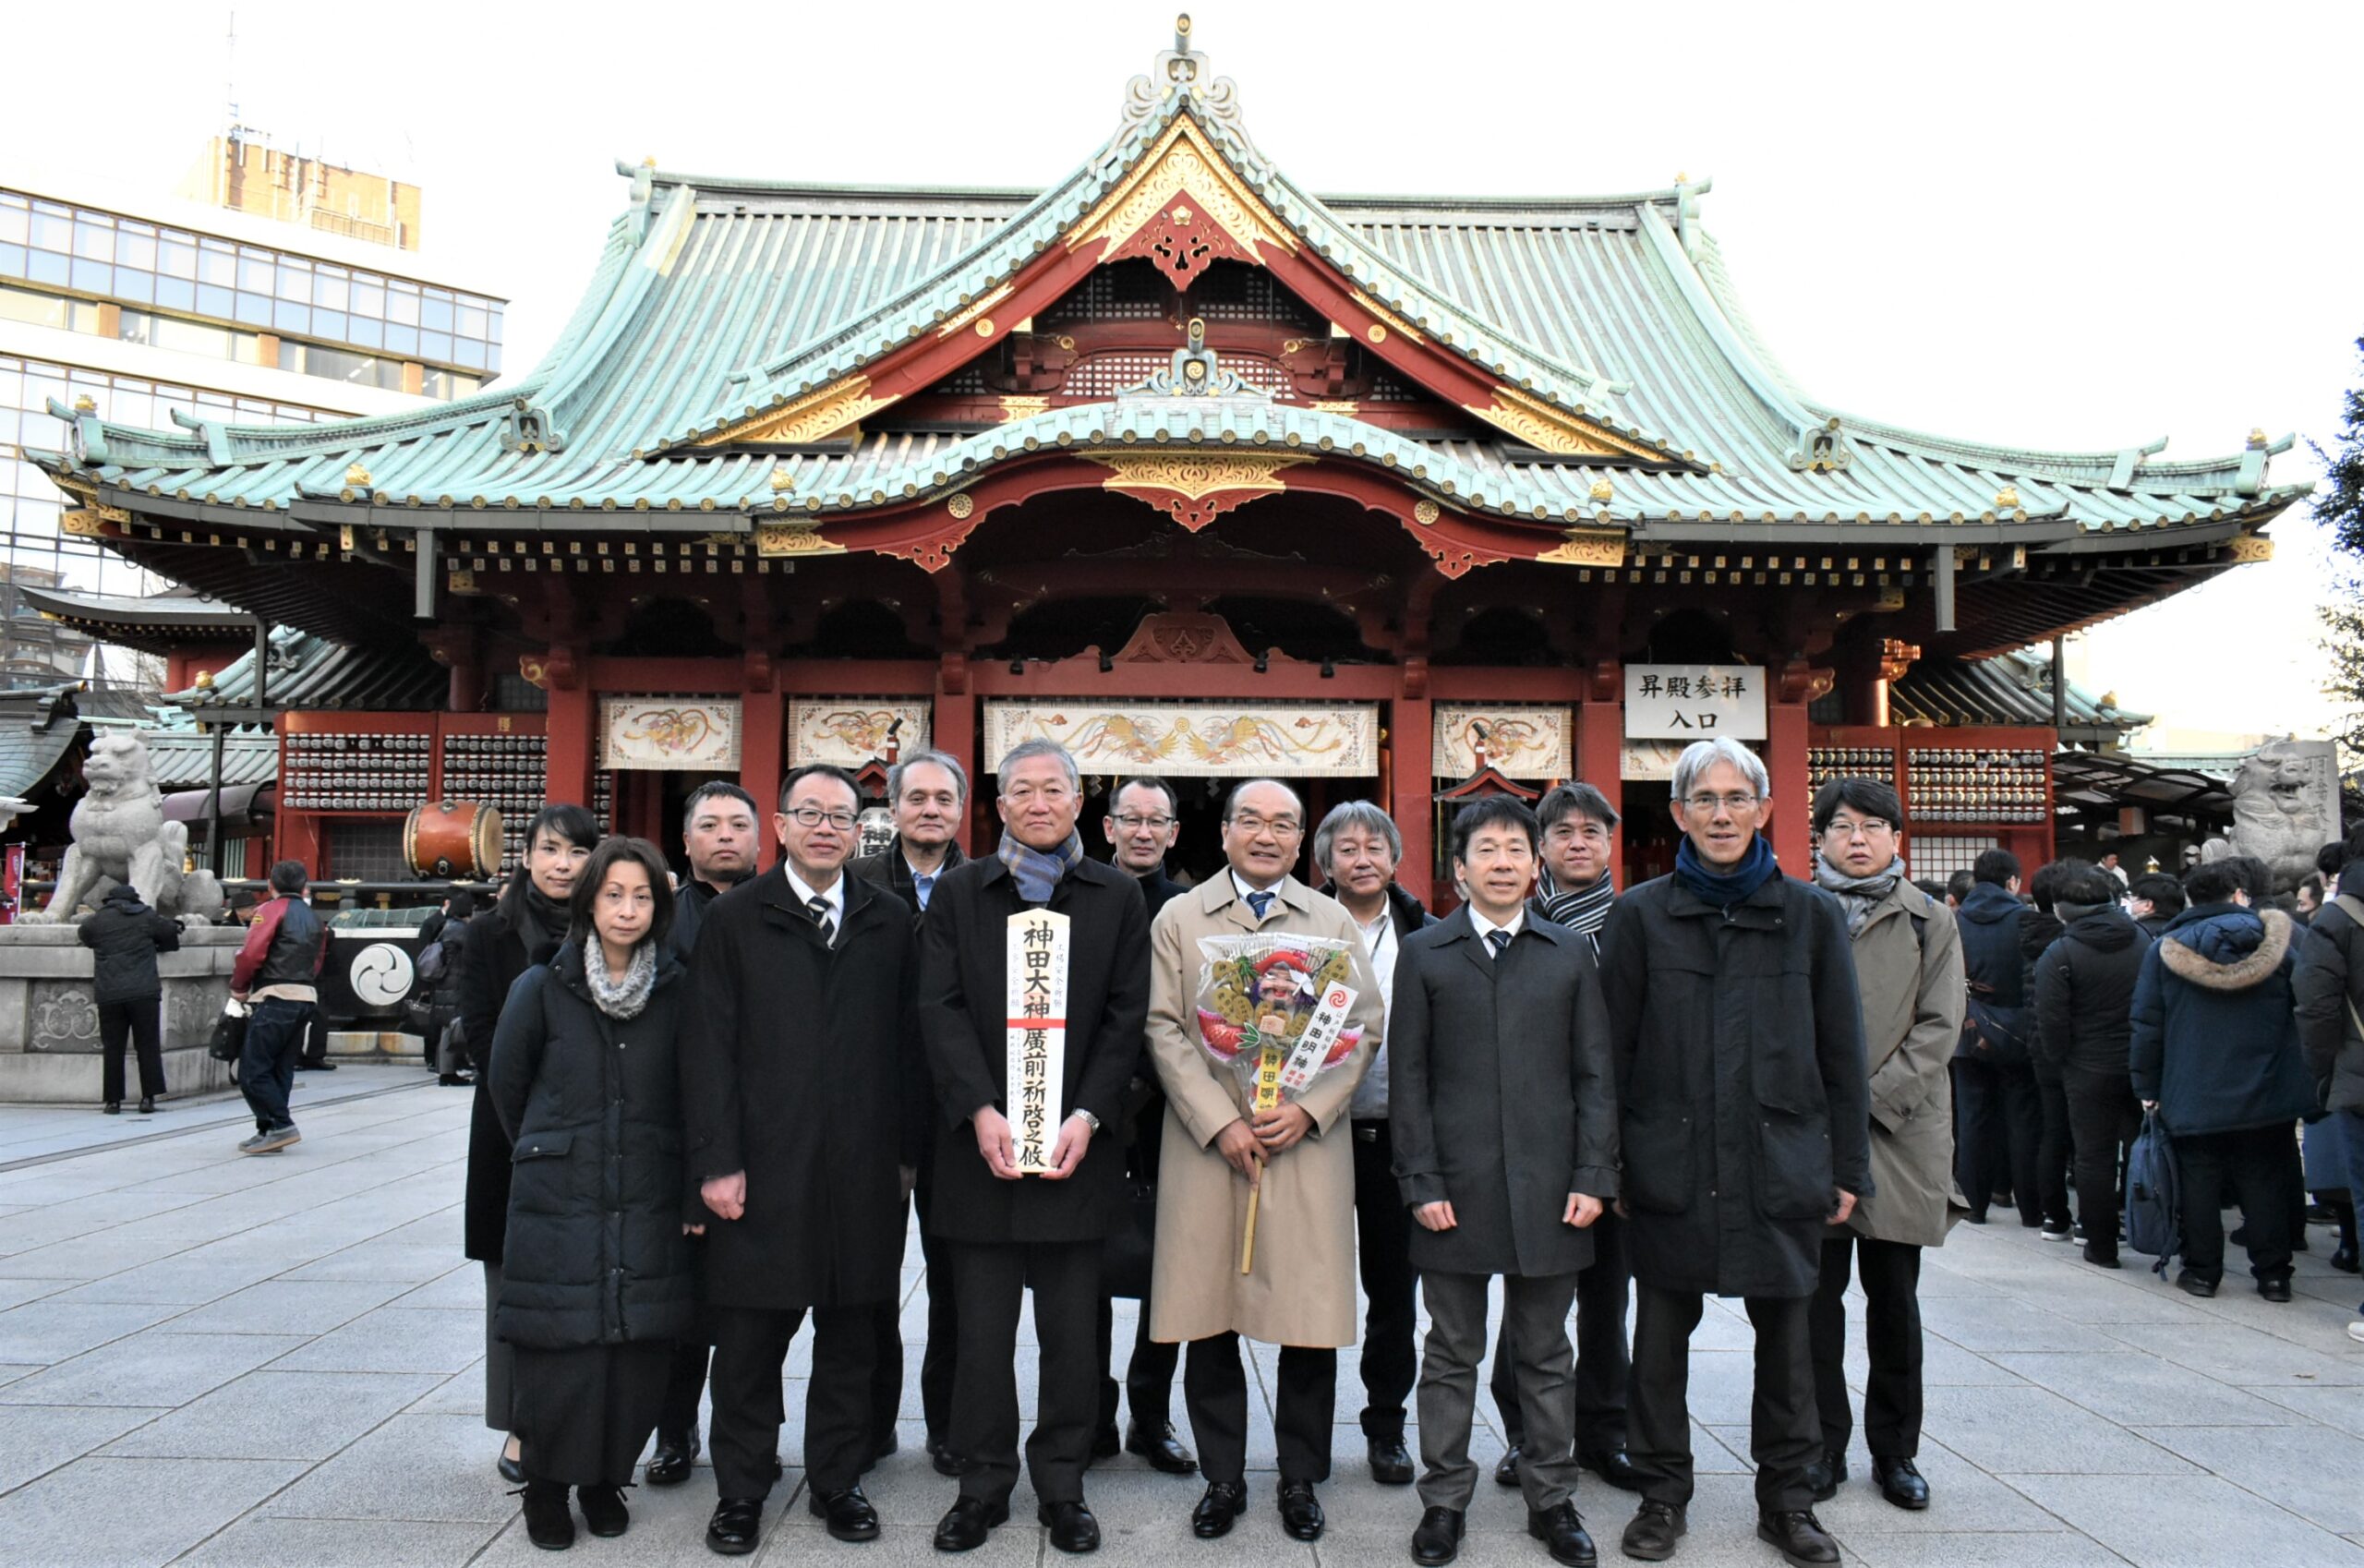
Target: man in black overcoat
column 1504, row 1123
column 1010, row 1232
column 1745, row 1119
column 798, row 1065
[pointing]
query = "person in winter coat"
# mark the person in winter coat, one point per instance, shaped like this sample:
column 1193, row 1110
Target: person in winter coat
column 2329, row 986
column 2084, row 998
column 277, row 967
column 595, row 1281
column 124, row 936
column 2156, row 900
column 522, row 929
column 2000, row 1116
column 1505, row 1121
column 1745, row 1112
column 2215, row 1049
column 1908, row 972
column 2038, row 930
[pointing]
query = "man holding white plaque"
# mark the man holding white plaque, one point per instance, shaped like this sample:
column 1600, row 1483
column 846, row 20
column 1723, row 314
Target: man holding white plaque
column 1033, row 987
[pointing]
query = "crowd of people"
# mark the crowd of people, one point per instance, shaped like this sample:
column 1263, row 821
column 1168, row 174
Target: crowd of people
column 702, row 1116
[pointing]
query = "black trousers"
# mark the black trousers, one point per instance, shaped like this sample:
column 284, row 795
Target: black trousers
column 1783, row 1433
column 2053, row 1151
column 943, row 1353
column 132, row 1022
column 1999, row 1123
column 992, row 1281
column 1604, row 1367
column 1214, row 1389
column 1149, row 1371
column 2252, row 1166
column 1891, row 1274
column 750, row 1348
column 2104, row 1116
column 1383, row 1254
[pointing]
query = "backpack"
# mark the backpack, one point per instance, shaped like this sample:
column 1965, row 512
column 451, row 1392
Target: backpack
column 2153, row 1197
column 435, row 961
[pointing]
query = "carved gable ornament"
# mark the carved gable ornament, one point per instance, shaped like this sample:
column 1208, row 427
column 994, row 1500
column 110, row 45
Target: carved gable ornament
column 1194, row 487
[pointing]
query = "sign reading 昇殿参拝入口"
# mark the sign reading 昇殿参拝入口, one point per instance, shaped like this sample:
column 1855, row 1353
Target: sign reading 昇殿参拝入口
column 1036, row 1070
column 1694, row 701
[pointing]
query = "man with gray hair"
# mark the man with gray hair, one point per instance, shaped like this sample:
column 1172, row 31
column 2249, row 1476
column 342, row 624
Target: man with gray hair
column 928, row 793
column 1358, row 847
column 1746, row 1113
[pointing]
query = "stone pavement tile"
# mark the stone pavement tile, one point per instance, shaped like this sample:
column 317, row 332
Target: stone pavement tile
column 464, row 1287
column 34, row 1439
column 2248, row 1357
column 1982, row 1324
column 16, row 1291
column 88, row 1258
column 394, row 1339
column 344, row 1543
column 1962, row 1497
column 11, row 1371
column 268, row 1415
column 1936, row 1548
column 2142, row 1391
column 298, row 1307
column 48, row 1332
column 412, row 1467
column 189, row 1279
column 2033, row 1429
column 1722, row 1384
column 156, row 1366
column 376, row 1261
column 1719, row 1451
column 2338, row 1407
column 2314, row 1473
column 2186, row 1522
column 110, row 1512
column 1943, row 1364
column 461, row 1394
column 2097, row 1298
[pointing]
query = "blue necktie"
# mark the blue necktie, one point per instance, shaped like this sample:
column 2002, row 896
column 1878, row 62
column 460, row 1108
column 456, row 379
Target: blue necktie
column 1499, row 939
column 1260, row 902
column 924, row 885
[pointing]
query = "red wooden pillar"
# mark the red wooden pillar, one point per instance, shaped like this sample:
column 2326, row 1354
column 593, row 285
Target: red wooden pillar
column 1785, row 759
column 1600, row 747
column 952, row 729
column 763, row 711
column 569, row 738
column 1412, row 746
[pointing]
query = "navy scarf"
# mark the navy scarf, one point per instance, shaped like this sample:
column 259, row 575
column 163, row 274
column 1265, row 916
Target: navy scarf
column 1724, row 889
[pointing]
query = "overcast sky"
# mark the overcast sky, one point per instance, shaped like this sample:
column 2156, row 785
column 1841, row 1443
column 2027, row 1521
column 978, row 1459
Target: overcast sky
column 2061, row 225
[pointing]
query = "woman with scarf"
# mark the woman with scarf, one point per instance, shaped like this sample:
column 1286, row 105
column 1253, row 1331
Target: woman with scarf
column 523, row 929
column 596, row 1282
column 1908, row 975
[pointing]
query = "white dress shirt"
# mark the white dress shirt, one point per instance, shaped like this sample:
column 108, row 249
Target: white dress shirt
column 835, row 897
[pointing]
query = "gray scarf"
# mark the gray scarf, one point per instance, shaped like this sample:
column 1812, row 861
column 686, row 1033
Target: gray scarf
column 623, row 998
column 1859, row 895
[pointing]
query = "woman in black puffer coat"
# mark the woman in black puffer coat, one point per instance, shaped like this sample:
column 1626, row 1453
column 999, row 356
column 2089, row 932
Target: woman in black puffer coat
column 596, row 1278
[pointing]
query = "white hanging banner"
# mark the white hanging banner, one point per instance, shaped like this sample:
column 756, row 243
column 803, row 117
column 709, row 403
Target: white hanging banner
column 1037, row 967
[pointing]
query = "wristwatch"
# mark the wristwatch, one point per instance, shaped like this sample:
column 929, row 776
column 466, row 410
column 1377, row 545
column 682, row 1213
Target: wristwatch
column 1089, row 1119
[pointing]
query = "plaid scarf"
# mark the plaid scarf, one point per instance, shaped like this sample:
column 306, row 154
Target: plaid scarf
column 1037, row 871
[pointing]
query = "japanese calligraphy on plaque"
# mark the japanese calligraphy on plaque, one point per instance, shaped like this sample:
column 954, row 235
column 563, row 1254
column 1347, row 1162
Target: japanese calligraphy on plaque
column 1694, row 701
column 1037, row 959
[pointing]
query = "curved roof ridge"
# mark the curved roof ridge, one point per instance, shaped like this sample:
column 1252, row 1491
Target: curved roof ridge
column 1987, row 454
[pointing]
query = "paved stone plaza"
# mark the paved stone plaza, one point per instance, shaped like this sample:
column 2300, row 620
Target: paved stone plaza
column 206, row 1358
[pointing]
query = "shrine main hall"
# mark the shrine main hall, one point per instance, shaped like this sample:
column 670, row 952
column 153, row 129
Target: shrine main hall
column 1201, row 474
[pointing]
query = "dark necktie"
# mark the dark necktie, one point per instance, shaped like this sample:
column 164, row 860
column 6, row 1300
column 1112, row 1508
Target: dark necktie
column 820, row 908
column 1260, row 902
column 1498, row 939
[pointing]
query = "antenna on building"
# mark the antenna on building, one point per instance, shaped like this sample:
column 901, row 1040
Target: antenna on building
column 230, row 75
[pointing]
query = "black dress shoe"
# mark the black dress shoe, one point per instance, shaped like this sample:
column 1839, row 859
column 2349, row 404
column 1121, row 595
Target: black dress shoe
column 148, row 1108
column 1825, row 1474
column 1159, row 1445
column 1975, row 1217
column 1438, row 1540
column 946, row 1463
column 1900, row 1483
column 1614, row 1466
column 2193, row 1285
column 847, row 1513
column 1072, row 1526
column 1800, row 1535
column 676, row 1454
column 1561, row 1531
column 1650, row 1534
column 1390, row 1464
column 779, row 1470
column 1506, row 1468
column 969, row 1521
column 603, row 1509
column 111, row 1108
column 547, row 1524
column 1218, row 1510
column 2344, row 1260
column 2101, row 1260
column 1300, row 1511
column 511, row 1469
column 737, row 1525
column 2274, row 1290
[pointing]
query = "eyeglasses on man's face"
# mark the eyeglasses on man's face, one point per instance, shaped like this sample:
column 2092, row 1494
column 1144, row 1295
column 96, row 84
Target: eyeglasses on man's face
column 814, row 816
column 1255, row 827
column 1136, row 824
column 1704, row 802
column 1843, row 828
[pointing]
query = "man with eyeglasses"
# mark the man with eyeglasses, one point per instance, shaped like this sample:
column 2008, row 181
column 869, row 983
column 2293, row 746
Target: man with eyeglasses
column 1014, row 1224
column 1744, row 1114
column 1300, row 1292
column 802, row 1110
column 1141, row 827
column 1908, row 963
column 1576, row 889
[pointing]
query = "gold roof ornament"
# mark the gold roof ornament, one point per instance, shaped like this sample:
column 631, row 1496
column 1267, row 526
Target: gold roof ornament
column 86, row 403
column 1603, row 491
column 2258, row 442
column 205, row 680
column 358, row 477
column 783, row 477
column 2007, row 499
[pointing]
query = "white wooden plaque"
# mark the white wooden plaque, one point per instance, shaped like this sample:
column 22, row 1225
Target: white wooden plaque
column 1037, row 959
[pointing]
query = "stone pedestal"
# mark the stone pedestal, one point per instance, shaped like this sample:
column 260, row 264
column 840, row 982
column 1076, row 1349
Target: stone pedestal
column 48, row 1023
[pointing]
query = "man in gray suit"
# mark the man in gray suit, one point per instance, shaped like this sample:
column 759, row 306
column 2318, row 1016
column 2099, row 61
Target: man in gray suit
column 1500, row 1042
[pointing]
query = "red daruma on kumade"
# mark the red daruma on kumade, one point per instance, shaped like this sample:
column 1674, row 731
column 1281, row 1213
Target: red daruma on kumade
column 1273, row 1009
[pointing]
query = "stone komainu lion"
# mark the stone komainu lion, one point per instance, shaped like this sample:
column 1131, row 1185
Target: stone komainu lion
column 120, row 834
column 2278, row 812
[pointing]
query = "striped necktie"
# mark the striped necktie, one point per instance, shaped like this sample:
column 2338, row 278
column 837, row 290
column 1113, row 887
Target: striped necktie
column 1500, row 940
column 820, row 908
column 1260, row 902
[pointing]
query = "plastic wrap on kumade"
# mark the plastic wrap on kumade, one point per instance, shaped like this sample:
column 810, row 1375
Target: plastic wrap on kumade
column 1274, row 1008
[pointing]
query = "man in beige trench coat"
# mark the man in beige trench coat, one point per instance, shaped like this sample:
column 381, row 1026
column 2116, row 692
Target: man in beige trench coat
column 1300, row 1294
column 1908, row 975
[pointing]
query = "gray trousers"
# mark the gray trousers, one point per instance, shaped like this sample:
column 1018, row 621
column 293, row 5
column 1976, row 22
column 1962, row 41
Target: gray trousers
column 500, row 1361
column 1534, row 1310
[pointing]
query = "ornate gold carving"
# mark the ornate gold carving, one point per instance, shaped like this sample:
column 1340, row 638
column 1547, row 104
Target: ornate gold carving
column 1394, row 323
column 973, row 310
column 1603, row 491
column 2007, row 499
column 815, row 417
column 1588, row 546
column 358, row 477
column 1424, row 512
column 461, row 580
column 774, row 539
column 1014, row 408
column 961, row 505
column 1553, row 429
column 1183, row 158
column 1194, row 487
column 86, row 403
column 984, row 326
column 1346, row 406
column 2249, row 548
column 83, row 523
column 783, row 477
